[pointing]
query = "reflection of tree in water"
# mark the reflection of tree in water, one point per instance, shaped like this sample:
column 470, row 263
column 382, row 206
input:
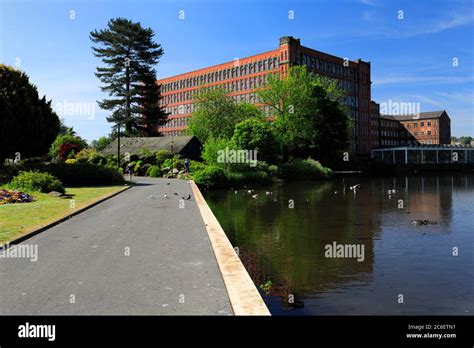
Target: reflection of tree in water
column 268, row 282
column 283, row 248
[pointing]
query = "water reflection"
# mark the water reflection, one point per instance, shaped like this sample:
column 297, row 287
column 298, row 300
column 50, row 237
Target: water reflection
column 282, row 237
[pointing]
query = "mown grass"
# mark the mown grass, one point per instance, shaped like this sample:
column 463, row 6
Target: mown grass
column 19, row 219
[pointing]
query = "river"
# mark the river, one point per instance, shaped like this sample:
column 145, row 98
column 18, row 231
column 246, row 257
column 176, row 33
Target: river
column 284, row 236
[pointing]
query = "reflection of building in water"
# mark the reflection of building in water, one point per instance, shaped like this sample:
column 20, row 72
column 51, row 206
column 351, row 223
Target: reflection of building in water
column 427, row 197
column 288, row 247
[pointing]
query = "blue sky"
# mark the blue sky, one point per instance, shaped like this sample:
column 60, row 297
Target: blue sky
column 412, row 58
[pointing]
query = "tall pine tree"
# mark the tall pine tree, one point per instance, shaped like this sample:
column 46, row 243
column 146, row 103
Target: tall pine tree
column 129, row 77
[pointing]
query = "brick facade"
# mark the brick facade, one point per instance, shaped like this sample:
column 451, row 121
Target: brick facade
column 428, row 128
column 243, row 77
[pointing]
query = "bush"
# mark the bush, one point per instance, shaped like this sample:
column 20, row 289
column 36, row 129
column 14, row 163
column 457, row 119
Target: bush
column 175, row 162
column 36, row 181
column 153, row 171
column 138, row 165
column 96, row 158
column 144, row 169
column 71, row 161
column 147, row 156
column 257, row 178
column 162, row 155
column 308, row 169
column 65, row 144
column 211, row 176
column 194, row 166
column 213, row 147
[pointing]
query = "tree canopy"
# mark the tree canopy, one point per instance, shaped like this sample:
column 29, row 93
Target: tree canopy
column 129, row 77
column 28, row 125
column 217, row 114
column 308, row 117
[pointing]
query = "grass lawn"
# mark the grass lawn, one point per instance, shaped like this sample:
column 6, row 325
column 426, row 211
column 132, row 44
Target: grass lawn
column 19, row 219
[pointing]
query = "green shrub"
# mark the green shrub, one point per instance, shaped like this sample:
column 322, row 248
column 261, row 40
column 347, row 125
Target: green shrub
column 153, row 171
column 138, row 165
column 273, row 170
column 175, row 162
column 84, row 174
column 96, row 158
column 212, row 148
column 162, row 155
column 194, row 166
column 308, row 169
column 64, row 144
column 211, row 176
column 36, row 181
column 71, row 161
column 257, row 178
column 144, row 169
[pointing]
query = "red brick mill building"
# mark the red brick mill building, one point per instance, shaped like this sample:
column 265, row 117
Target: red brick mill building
column 242, row 77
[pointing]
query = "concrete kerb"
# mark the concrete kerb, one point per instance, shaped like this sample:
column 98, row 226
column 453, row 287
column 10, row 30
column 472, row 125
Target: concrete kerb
column 244, row 296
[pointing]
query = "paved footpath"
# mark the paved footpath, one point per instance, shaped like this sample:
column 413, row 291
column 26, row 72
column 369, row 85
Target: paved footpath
column 83, row 267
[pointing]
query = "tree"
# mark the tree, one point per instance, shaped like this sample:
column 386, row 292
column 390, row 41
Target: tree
column 217, row 114
column 100, row 143
column 28, row 125
column 309, row 121
column 257, row 134
column 465, row 140
column 63, row 129
column 129, row 54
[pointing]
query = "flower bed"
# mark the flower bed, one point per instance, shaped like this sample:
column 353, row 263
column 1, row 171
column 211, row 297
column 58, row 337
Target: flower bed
column 14, row 196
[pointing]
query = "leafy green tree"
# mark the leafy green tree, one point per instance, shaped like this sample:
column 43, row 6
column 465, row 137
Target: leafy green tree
column 465, row 140
column 257, row 134
column 309, row 121
column 100, row 143
column 28, row 125
column 129, row 54
column 217, row 114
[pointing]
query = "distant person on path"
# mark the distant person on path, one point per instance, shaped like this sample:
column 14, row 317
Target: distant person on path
column 129, row 171
column 186, row 165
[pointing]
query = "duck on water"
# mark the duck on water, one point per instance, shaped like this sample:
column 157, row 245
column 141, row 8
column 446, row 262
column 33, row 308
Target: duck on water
column 423, row 222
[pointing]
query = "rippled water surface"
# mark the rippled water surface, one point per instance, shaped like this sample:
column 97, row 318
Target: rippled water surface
column 282, row 239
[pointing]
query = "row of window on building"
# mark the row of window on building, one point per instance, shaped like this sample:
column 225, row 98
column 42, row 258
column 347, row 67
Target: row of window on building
column 229, row 87
column 176, row 122
column 314, row 62
column 223, row 74
column 189, row 107
column 390, row 142
column 422, row 124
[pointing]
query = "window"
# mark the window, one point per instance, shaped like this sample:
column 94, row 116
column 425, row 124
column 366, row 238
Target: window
column 422, row 141
column 422, row 133
column 422, row 124
column 416, row 133
column 435, row 123
column 429, row 142
column 429, row 123
column 408, row 125
column 435, row 132
column 429, row 132
column 415, row 124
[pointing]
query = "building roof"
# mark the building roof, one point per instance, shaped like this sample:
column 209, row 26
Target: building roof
column 135, row 145
column 421, row 116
